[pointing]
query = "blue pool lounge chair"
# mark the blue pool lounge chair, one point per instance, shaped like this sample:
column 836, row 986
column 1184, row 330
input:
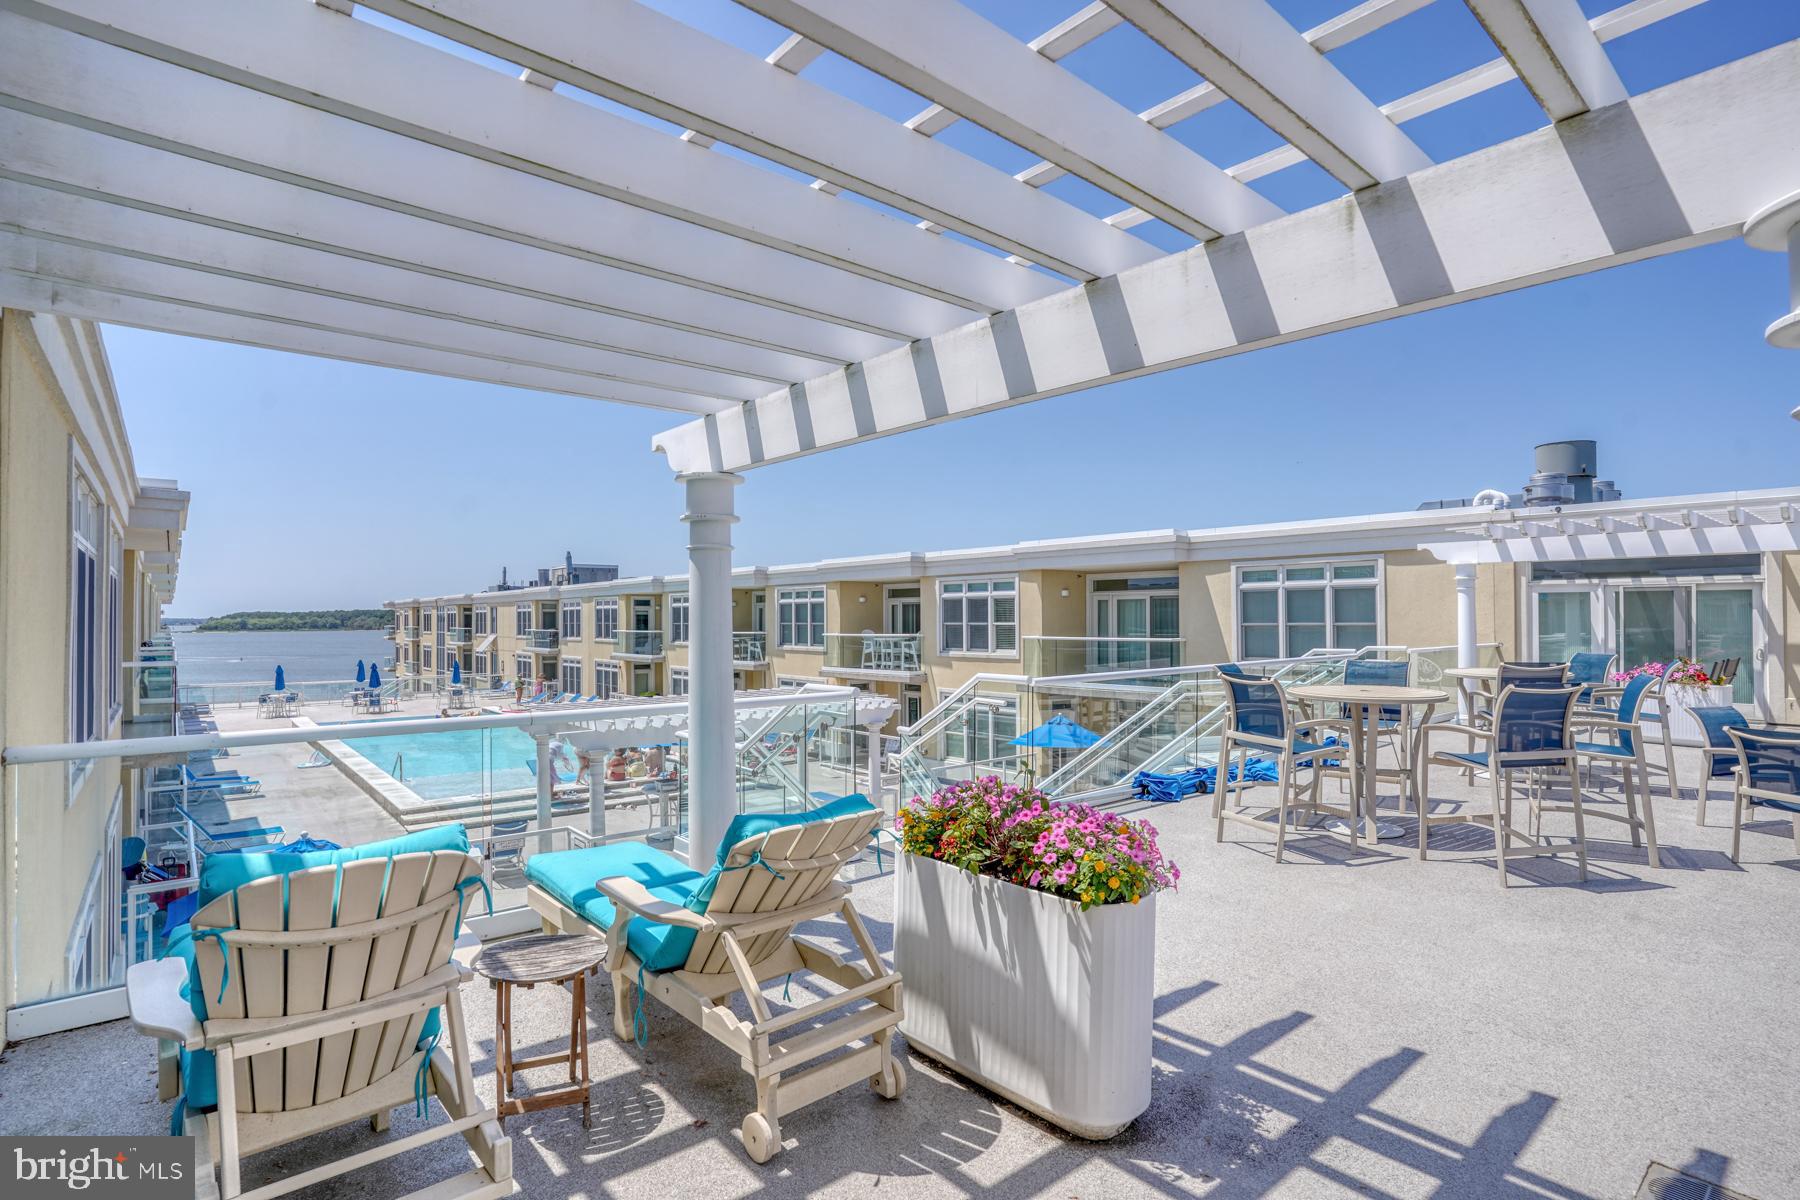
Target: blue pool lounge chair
column 229, row 782
column 222, row 839
column 1768, row 775
column 694, row 940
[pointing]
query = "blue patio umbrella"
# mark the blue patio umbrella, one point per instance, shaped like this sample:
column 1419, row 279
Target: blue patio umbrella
column 280, row 678
column 362, row 672
column 1058, row 733
column 455, row 673
column 374, row 676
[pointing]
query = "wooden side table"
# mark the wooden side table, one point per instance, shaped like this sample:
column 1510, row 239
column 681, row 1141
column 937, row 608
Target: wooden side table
column 526, row 962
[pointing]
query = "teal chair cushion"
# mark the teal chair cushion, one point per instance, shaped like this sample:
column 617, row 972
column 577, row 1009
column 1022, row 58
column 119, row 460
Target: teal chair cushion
column 570, row 876
column 222, row 873
column 749, row 825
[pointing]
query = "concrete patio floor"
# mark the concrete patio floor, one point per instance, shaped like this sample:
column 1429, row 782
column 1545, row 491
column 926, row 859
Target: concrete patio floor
column 1335, row 1025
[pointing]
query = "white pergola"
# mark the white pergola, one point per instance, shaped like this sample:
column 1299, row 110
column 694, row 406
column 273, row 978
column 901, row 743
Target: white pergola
column 634, row 211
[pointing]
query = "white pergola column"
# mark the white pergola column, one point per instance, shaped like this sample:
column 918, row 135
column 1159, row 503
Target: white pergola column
column 1776, row 228
column 712, row 748
column 546, row 787
column 1465, row 623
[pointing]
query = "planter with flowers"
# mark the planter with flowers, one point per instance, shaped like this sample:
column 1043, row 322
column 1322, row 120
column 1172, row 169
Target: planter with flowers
column 1687, row 685
column 1026, row 932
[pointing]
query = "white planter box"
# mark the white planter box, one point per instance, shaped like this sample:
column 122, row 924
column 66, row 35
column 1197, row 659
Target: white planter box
column 1684, row 728
column 1028, row 995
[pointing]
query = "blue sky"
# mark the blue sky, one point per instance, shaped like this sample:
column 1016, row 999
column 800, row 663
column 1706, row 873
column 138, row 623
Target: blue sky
column 323, row 484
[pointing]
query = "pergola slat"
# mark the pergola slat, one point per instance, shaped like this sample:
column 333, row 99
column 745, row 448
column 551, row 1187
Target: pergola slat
column 1672, row 168
column 692, row 389
column 95, row 224
column 1251, row 54
column 40, row 295
column 295, row 50
column 133, row 176
column 949, row 55
column 207, row 118
column 629, row 53
column 1551, row 46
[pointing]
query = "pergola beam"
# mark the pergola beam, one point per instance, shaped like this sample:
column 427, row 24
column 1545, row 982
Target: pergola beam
column 48, row 69
column 1250, row 53
column 1673, row 168
column 295, row 50
column 946, row 53
column 633, row 379
column 130, row 176
column 1553, row 49
column 41, row 295
column 629, row 53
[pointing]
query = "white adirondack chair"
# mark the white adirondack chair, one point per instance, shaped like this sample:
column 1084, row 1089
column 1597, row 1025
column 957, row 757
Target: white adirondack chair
column 771, row 883
column 316, row 1021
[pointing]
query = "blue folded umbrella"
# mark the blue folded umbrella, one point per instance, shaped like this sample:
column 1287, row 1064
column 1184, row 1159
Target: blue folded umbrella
column 280, row 678
column 306, row 844
column 362, row 672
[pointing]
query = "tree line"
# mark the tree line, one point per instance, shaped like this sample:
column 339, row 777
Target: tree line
column 293, row 622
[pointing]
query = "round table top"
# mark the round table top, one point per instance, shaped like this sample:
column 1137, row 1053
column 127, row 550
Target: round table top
column 540, row 958
column 1368, row 693
column 1472, row 672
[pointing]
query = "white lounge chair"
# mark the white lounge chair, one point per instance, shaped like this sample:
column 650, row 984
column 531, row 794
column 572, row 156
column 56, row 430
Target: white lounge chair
column 314, row 1018
column 693, row 941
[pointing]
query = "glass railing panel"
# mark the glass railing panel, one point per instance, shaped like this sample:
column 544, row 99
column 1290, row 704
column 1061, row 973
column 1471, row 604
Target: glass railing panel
column 749, row 647
column 641, row 642
column 893, row 653
column 1052, row 656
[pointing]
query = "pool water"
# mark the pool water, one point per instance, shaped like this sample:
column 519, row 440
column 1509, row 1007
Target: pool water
column 465, row 762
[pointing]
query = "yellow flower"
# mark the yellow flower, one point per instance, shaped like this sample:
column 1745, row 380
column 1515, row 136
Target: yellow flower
column 1113, row 882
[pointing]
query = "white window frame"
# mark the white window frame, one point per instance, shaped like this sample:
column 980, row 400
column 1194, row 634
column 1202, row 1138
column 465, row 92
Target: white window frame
column 522, row 619
column 569, row 668
column 95, row 953
column 526, row 667
column 680, row 619
column 986, row 587
column 606, row 619
column 797, row 599
column 478, row 621
column 606, row 679
column 571, row 619
column 87, row 537
column 115, row 625
column 678, row 681
column 481, row 664
column 1283, row 587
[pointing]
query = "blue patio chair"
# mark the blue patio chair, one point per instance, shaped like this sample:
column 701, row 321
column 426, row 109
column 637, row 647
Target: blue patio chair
column 1719, row 756
column 506, row 844
column 1390, row 721
column 1626, row 751
column 1531, row 732
column 1259, row 719
column 233, row 783
column 1768, row 775
column 1590, row 671
column 215, row 841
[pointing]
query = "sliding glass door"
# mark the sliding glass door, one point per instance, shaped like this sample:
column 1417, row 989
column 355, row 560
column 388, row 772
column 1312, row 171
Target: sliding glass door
column 1724, row 627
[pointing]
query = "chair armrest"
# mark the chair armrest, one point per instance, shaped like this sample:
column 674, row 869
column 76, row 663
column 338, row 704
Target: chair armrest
column 1431, row 727
column 156, row 1006
column 628, row 894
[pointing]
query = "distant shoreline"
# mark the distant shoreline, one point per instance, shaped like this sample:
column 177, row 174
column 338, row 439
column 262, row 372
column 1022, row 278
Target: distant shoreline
column 346, row 620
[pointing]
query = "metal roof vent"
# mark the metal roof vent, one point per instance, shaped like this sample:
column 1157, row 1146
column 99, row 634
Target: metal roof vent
column 1548, row 488
column 1663, row 1182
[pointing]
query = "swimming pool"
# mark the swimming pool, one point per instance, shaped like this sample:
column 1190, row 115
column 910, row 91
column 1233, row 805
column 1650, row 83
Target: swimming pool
column 463, row 762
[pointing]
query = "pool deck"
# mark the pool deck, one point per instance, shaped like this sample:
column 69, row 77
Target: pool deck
column 1335, row 1025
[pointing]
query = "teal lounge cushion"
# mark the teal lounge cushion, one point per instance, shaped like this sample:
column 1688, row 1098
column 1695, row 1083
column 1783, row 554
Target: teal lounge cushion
column 749, row 825
column 222, row 873
column 570, row 876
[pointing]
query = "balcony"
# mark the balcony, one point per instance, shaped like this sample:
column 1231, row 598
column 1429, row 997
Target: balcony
column 874, row 655
column 749, row 649
column 639, row 645
column 1045, row 656
column 409, row 633
column 457, row 635
column 539, row 641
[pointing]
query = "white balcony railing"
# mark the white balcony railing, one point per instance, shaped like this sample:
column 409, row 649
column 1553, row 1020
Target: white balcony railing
column 640, row 643
column 749, row 649
column 1046, row 656
column 541, row 639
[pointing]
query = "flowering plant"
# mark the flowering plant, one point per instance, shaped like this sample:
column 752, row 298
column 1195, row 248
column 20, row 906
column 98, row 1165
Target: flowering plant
column 1683, row 671
column 1020, row 835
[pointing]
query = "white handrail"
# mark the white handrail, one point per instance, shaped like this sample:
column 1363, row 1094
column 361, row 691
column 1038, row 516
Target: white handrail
column 547, row 721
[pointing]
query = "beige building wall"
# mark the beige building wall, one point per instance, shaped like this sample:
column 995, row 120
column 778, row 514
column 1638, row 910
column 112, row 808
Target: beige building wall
column 51, row 834
column 1421, row 599
column 1781, row 591
column 1208, row 612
